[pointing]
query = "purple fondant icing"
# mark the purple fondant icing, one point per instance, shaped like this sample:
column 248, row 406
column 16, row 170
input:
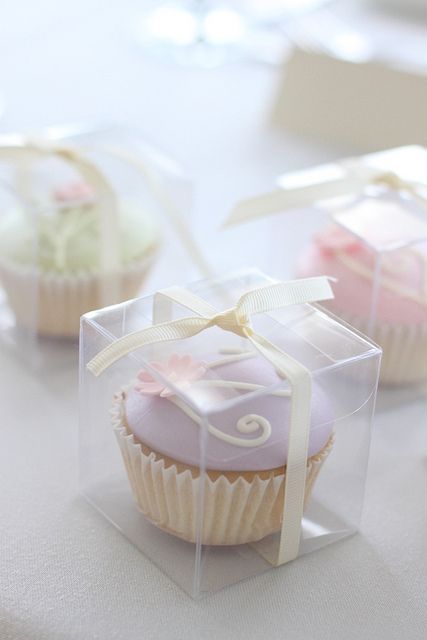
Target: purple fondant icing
column 164, row 427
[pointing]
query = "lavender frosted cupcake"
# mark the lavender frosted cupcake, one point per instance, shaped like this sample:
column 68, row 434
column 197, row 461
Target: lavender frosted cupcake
column 246, row 448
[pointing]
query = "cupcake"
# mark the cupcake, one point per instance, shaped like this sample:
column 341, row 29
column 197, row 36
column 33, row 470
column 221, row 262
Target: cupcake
column 51, row 265
column 391, row 307
column 243, row 485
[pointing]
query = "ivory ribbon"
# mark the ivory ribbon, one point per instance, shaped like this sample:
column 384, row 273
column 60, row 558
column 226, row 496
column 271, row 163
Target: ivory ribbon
column 174, row 215
column 238, row 320
column 348, row 178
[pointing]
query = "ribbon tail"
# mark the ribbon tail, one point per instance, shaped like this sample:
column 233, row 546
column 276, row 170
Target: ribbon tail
column 174, row 215
column 257, row 207
column 288, row 199
column 303, row 189
column 298, row 437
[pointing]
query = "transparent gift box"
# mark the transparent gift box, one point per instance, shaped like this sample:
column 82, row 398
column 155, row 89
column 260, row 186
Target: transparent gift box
column 225, row 426
column 363, row 221
column 89, row 217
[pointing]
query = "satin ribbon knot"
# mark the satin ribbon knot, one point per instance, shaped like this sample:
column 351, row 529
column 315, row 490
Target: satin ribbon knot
column 393, row 181
column 234, row 321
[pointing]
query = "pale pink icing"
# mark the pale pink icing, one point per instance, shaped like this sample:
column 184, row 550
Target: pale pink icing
column 182, row 370
column 157, row 422
column 353, row 291
column 74, row 191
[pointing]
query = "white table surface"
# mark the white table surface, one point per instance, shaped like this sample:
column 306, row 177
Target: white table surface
column 65, row 573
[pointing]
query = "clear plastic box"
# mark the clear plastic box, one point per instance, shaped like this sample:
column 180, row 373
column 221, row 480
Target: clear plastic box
column 364, row 221
column 186, row 444
column 88, row 218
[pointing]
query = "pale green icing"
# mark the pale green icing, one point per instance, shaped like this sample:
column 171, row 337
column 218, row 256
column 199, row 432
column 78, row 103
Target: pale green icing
column 68, row 240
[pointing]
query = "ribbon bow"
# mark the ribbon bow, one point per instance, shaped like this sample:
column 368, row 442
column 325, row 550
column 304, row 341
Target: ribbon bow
column 238, row 320
column 303, row 189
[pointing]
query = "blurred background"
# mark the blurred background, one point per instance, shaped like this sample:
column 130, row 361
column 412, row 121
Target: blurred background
column 219, row 85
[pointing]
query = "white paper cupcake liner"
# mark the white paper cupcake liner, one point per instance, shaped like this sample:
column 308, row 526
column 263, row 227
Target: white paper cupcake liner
column 404, row 359
column 234, row 511
column 53, row 303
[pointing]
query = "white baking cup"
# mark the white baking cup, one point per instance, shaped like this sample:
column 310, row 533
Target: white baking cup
column 234, row 512
column 404, row 359
column 53, row 303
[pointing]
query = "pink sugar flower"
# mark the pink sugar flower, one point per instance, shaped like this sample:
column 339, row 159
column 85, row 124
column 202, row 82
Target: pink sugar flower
column 74, row 191
column 181, row 370
column 335, row 239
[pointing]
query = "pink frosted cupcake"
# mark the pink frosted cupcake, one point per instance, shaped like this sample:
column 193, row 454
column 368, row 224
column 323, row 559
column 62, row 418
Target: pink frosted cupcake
column 394, row 315
column 159, row 437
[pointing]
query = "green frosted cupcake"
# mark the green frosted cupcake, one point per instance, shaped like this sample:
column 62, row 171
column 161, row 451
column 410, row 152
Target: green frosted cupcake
column 52, row 261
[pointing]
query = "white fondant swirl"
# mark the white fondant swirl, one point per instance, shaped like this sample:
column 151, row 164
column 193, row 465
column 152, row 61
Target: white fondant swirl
column 246, row 424
column 252, row 422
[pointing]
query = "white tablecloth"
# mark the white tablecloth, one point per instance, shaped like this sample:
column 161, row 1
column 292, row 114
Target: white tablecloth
column 65, row 573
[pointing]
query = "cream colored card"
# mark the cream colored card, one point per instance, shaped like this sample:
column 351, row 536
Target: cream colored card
column 366, row 105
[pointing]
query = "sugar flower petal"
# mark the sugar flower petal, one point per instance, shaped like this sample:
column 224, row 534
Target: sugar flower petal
column 182, row 371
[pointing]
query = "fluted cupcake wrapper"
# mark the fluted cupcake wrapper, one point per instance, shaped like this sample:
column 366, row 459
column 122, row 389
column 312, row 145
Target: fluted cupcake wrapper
column 234, row 511
column 53, row 303
column 404, row 358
